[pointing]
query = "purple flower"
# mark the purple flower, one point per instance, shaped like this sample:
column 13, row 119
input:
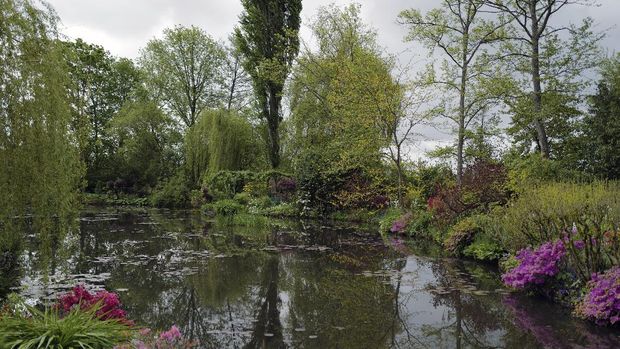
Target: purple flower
column 535, row 266
column 579, row 244
column 602, row 302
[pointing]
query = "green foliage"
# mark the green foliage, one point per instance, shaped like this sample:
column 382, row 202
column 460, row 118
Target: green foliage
column 226, row 207
column 242, row 198
column 46, row 329
column 534, row 170
column 226, row 184
column 599, row 144
column 41, row 170
column 109, row 200
column 147, row 141
column 461, row 235
column 553, row 211
column 268, row 39
column 389, row 217
column 257, row 205
column 173, row 193
column 484, row 250
column 221, row 140
column 420, row 224
column 282, row 209
column 99, row 85
column 183, row 72
column 424, row 180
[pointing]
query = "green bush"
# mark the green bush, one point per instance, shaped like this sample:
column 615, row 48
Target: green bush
column 389, row 217
column 484, row 250
column 226, row 207
column 46, row 329
column 226, row 184
column 242, row 198
column 257, row 205
column 421, row 223
column 174, row 193
column 282, row 210
column 461, row 235
column 536, row 170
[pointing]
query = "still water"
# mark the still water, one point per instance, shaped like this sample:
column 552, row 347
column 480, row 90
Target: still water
column 298, row 285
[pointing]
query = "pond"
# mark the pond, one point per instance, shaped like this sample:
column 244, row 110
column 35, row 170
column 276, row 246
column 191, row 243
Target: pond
column 298, row 285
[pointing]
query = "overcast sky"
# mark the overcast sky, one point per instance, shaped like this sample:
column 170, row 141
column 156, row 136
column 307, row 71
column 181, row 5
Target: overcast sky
column 124, row 26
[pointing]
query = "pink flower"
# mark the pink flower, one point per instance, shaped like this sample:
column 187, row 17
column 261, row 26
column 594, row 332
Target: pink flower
column 171, row 335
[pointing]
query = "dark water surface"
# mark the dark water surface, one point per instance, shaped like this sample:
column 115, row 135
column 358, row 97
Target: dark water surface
column 299, row 285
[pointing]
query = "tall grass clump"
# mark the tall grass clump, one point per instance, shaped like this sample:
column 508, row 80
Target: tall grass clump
column 48, row 329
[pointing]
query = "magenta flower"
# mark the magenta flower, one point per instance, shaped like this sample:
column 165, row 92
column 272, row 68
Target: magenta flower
column 111, row 307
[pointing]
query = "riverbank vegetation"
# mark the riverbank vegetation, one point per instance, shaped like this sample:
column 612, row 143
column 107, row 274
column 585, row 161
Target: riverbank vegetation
column 263, row 126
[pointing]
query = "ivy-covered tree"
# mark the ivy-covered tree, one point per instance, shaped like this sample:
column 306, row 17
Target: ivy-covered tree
column 268, row 38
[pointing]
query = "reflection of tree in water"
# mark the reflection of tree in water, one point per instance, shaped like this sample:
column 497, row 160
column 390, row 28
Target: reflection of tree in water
column 329, row 299
column 470, row 319
column 267, row 332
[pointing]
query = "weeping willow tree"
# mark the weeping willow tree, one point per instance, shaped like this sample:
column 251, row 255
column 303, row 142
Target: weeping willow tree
column 41, row 170
column 221, row 140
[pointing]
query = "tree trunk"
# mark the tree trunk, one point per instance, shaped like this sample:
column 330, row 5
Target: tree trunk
column 537, row 94
column 273, row 123
column 461, row 131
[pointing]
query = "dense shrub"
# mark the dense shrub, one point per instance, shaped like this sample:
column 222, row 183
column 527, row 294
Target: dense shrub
column 482, row 187
column 421, row 223
column 523, row 172
column 389, row 217
column 483, row 249
column 585, row 215
column 226, row 207
column 226, row 184
column 174, row 193
column 461, row 235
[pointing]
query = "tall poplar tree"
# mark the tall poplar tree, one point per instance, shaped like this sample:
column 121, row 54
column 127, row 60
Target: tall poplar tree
column 268, row 38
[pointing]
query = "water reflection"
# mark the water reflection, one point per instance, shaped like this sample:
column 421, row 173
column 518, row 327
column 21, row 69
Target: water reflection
column 301, row 285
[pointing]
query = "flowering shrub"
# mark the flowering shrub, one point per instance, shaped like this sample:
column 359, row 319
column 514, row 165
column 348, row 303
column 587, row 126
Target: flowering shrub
column 602, row 301
column 110, row 305
column 535, row 266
